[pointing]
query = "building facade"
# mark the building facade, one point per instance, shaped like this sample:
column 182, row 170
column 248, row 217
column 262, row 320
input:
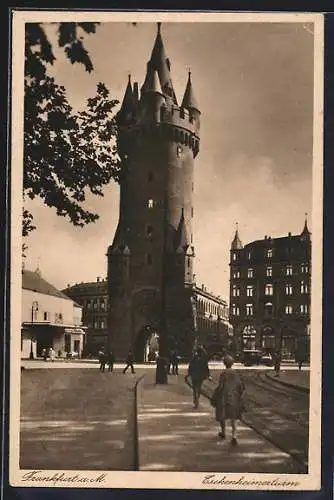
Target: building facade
column 211, row 325
column 270, row 290
column 49, row 319
column 150, row 261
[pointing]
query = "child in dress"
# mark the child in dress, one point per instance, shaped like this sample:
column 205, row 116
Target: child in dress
column 229, row 399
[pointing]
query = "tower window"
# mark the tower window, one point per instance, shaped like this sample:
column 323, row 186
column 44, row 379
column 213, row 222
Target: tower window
column 288, row 289
column 268, row 289
column 303, row 308
column 304, row 268
column 150, row 203
column 269, row 253
column 269, row 271
column 234, row 256
column 303, row 287
column 250, row 291
column 236, row 274
column 250, row 273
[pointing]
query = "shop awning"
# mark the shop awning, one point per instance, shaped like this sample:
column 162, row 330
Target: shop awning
column 76, row 330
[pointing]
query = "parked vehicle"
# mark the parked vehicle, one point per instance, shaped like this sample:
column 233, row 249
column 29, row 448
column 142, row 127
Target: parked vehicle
column 251, row 357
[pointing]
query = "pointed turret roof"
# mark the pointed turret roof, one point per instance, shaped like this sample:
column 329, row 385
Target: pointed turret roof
column 153, row 84
column 236, row 243
column 159, row 62
column 182, row 242
column 305, row 232
column 119, row 244
column 128, row 101
column 189, row 101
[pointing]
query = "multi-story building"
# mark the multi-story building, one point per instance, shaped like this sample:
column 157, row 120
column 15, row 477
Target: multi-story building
column 211, row 326
column 270, row 289
column 93, row 297
column 49, row 319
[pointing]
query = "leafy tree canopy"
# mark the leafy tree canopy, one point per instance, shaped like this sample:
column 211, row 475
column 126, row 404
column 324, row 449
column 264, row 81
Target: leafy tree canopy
column 67, row 154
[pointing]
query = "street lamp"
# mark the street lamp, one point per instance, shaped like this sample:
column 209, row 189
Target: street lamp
column 34, row 308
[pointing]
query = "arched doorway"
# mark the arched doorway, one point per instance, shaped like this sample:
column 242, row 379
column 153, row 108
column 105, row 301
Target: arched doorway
column 146, row 345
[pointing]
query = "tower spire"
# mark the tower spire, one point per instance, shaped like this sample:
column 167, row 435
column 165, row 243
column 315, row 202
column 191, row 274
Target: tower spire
column 236, row 243
column 305, row 233
column 125, row 113
column 189, row 101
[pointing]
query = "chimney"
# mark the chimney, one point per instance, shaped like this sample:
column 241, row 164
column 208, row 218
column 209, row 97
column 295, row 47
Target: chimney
column 289, row 234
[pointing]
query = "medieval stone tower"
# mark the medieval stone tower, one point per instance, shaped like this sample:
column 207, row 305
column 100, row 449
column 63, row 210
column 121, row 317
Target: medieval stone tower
column 150, row 262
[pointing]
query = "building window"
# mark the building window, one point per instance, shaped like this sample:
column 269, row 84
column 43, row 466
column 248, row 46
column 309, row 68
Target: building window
column 234, row 256
column 89, row 304
column 249, row 255
column 249, row 309
column 149, row 259
column 150, row 203
column 269, row 271
column 102, row 324
column 192, row 211
column 288, row 270
column 236, row 274
column 268, row 309
column 268, row 289
column 95, row 305
column 269, row 253
column 303, row 308
column 95, row 323
column 288, row 309
column 303, row 287
column 250, row 273
column 304, row 268
column 235, row 291
column 249, row 291
column 46, row 316
column 149, row 231
column 235, row 310
column 102, row 305
column 288, row 290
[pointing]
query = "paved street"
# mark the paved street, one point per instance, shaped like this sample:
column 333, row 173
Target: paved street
column 74, row 417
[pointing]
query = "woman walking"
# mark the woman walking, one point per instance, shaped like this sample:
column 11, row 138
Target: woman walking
column 228, row 399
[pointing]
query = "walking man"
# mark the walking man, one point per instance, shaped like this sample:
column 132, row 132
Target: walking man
column 198, row 371
column 129, row 362
column 111, row 360
column 175, row 363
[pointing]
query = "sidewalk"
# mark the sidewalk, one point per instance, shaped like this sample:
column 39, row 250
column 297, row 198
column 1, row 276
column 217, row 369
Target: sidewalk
column 173, row 436
column 297, row 379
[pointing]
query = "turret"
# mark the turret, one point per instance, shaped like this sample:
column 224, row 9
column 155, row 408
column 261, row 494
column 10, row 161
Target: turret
column 126, row 113
column 236, row 243
column 305, row 234
column 154, row 98
column 118, row 261
column 189, row 102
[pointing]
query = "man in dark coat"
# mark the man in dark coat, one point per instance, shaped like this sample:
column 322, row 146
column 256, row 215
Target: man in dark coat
column 198, row 371
column 175, row 363
column 111, row 360
column 129, row 362
column 102, row 360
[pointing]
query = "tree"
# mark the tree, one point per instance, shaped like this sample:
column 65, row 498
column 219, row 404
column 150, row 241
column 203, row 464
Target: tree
column 66, row 154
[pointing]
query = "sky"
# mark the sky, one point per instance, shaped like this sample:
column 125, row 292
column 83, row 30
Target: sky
column 254, row 86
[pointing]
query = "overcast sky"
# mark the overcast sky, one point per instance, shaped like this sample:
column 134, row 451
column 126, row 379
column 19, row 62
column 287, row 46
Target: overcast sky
column 254, row 85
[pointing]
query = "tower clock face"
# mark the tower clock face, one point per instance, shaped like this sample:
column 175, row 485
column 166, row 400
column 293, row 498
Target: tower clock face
column 179, row 151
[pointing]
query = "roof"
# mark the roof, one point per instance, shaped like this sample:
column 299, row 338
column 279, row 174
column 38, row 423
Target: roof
column 32, row 280
column 189, row 101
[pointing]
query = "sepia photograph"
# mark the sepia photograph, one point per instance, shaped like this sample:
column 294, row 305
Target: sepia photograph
column 166, row 255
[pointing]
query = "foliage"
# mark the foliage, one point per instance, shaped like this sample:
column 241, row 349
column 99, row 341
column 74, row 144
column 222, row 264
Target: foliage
column 66, row 154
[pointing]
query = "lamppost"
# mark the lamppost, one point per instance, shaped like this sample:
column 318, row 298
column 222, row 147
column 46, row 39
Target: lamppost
column 34, row 308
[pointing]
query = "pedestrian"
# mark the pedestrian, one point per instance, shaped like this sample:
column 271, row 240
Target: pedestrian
column 198, row 371
column 228, row 399
column 277, row 363
column 129, row 362
column 175, row 363
column 102, row 360
column 44, row 354
column 52, row 354
column 111, row 360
